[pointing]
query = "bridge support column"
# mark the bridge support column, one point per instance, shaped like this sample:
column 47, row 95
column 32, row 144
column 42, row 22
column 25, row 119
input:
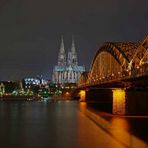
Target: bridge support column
column 119, row 104
column 83, row 95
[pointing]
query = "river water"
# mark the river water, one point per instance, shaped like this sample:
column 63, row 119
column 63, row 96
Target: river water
column 49, row 124
column 54, row 124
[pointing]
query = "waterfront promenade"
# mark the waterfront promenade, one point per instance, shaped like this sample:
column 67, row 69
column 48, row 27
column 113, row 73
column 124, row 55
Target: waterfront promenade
column 60, row 124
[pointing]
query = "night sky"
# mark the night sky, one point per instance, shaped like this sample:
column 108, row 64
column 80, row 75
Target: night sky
column 30, row 31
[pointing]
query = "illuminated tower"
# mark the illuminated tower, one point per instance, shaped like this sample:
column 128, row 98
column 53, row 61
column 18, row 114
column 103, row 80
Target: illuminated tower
column 62, row 55
column 72, row 55
column 67, row 71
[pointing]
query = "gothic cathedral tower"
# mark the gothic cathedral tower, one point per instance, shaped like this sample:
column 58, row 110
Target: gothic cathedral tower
column 62, row 54
column 72, row 55
column 67, row 70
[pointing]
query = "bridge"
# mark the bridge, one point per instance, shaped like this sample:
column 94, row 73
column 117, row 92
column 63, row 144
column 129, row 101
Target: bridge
column 117, row 62
column 116, row 65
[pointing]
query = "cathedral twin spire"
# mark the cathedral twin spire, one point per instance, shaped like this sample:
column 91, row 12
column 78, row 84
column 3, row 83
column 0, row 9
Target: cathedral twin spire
column 62, row 54
column 72, row 55
column 67, row 70
column 73, row 50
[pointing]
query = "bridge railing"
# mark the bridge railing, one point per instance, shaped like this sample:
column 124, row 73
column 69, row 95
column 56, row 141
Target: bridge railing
column 126, row 74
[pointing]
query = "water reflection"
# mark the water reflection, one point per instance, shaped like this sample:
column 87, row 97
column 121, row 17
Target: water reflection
column 127, row 131
column 119, row 101
column 122, row 131
column 121, row 123
column 83, row 105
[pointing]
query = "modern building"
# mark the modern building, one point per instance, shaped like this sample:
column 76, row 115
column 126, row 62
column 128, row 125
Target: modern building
column 34, row 83
column 67, row 70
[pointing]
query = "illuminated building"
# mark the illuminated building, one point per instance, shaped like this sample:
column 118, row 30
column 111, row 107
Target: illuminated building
column 2, row 89
column 31, row 81
column 67, row 69
column 34, row 83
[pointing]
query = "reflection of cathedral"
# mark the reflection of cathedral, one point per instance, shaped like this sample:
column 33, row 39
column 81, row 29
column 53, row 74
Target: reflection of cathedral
column 67, row 70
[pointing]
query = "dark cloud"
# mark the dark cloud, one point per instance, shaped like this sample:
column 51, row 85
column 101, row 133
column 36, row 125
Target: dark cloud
column 30, row 31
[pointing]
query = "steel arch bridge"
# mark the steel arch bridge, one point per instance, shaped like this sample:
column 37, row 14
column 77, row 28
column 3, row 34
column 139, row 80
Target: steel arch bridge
column 117, row 61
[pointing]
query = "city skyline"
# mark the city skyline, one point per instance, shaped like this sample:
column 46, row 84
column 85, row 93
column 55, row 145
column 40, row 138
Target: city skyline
column 31, row 31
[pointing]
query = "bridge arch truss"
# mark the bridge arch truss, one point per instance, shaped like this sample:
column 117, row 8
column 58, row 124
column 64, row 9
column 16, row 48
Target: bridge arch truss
column 115, row 60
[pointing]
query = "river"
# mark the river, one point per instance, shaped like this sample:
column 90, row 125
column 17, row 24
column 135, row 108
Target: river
column 50, row 124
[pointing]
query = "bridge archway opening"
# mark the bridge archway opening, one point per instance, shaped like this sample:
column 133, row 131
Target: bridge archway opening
column 106, row 67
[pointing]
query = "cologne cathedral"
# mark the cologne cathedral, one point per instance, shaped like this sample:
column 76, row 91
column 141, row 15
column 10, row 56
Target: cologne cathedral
column 67, row 69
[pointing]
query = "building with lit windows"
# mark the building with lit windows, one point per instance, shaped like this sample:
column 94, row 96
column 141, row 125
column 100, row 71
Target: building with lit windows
column 67, row 70
column 34, row 83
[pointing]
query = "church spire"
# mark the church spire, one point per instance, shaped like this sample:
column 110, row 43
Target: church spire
column 73, row 49
column 62, row 50
column 62, row 55
column 74, row 60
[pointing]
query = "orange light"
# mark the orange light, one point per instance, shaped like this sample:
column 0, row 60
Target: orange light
column 82, row 95
column 67, row 93
column 119, row 101
column 83, row 106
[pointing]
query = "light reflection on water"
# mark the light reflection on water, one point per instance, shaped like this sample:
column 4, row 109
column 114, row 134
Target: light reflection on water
column 121, row 129
column 121, row 123
column 128, row 132
column 60, row 123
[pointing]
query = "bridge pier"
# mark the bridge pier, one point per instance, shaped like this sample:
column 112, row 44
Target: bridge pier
column 82, row 94
column 130, row 102
column 117, row 101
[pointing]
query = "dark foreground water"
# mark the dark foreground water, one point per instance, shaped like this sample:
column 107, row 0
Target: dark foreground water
column 61, row 124
column 49, row 125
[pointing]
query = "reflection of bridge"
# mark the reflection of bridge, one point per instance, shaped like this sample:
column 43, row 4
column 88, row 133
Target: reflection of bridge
column 116, row 62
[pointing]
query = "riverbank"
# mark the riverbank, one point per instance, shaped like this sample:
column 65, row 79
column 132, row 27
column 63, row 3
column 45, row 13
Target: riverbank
column 19, row 98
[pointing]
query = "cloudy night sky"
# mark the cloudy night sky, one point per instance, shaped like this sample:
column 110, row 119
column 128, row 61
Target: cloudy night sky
column 30, row 31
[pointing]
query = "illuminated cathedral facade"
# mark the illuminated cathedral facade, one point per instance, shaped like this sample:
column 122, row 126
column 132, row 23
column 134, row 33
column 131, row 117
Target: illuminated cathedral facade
column 67, row 70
